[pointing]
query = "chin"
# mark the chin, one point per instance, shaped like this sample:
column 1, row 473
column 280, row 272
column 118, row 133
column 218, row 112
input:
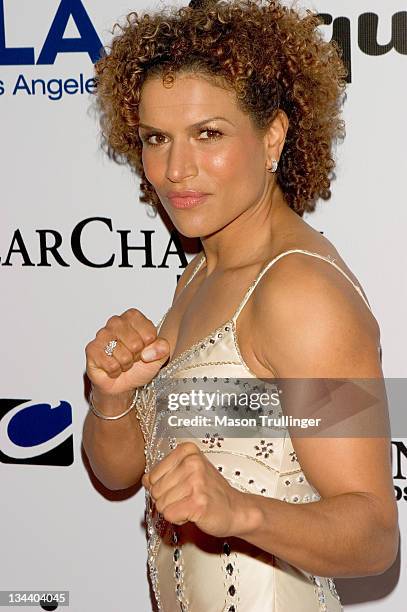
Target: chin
column 189, row 232
column 193, row 227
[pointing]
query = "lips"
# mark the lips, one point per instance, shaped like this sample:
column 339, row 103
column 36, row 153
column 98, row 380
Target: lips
column 186, row 199
column 189, row 193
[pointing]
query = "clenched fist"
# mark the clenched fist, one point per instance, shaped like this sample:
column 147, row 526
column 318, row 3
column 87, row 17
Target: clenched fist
column 185, row 486
column 136, row 359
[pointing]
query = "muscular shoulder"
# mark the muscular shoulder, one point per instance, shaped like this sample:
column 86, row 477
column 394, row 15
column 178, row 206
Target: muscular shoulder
column 311, row 322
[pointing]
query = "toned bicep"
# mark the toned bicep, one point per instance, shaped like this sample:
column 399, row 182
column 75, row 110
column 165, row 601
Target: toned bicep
column 310, row 322
column 347, row 465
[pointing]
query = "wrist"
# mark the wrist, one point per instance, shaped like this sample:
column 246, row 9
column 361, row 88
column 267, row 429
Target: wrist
column 247, row 515
column 111, row 405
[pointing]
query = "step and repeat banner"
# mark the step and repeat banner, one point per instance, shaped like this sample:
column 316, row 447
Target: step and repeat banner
column 77, row 245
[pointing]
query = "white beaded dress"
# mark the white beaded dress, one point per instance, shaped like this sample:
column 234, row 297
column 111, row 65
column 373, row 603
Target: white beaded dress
column 191, row 571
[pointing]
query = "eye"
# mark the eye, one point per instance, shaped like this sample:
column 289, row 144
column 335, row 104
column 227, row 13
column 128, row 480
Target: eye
column 146, row 139
column 214, row 134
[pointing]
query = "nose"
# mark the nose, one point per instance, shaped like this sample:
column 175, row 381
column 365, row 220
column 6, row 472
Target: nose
column 181, row 163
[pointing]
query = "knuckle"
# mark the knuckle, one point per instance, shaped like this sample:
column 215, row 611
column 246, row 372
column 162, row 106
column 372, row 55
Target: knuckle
column 135, row 344
column 115, row 374
column 201, row 501
column 126, row 364
column 112, row 367
column 188, row 447
column 113, row 320
column 150, row 335
column 195, row 483
column 145, row 328
column 126, row 360
column 194, row 462
column 132, row 312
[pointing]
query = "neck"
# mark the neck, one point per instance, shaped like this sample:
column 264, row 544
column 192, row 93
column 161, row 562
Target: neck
column 256, row 233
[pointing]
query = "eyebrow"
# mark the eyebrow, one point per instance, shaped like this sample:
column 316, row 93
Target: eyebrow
column 193, row 125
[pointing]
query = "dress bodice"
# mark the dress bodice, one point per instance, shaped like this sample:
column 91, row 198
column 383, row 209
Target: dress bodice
column 196, row 572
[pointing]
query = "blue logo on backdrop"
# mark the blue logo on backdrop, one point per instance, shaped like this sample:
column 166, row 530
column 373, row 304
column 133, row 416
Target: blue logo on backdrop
column 35, row 433
column 87, row 42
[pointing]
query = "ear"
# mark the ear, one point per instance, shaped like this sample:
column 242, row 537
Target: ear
column 274, row 138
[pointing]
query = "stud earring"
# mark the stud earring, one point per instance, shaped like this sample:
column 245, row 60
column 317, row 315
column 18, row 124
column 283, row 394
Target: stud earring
column 274, row 166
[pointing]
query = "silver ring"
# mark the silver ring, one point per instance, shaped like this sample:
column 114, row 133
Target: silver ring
column 110, row 346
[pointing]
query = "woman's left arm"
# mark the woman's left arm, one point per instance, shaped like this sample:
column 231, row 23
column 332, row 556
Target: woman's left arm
column 353, row 529
column 308, row 326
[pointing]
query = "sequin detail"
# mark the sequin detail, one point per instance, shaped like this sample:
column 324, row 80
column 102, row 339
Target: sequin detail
column 264, row 449
column 332, row 588
column 231, row 577
column 212, row 440
column 261, row 467
column 179, row 572
column 195, row 348
column 320, row 593
column 320, row 585
column 153, row 542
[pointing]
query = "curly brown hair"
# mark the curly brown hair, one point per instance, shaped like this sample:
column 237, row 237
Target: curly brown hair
column 272, row 56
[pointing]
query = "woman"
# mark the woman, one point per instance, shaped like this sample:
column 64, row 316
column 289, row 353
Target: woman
column 229, row 111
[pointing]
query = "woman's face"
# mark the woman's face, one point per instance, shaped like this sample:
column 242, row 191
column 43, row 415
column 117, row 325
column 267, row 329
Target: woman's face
column 196, row 138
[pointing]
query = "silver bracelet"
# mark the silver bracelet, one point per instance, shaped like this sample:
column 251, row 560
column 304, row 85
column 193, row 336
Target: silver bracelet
column 118, row 416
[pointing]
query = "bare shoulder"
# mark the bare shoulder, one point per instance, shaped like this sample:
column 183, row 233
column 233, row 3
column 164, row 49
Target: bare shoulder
column 310, row 321
column 186, row 275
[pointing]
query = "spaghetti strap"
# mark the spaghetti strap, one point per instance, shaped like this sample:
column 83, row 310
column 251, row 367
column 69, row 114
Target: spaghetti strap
column 327, row 258
column 196, row 269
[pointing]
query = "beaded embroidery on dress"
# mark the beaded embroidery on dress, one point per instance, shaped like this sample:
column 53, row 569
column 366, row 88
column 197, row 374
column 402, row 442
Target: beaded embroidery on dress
column 191, row 571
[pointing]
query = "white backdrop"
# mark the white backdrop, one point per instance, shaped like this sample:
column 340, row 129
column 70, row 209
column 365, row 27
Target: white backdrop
column 60, row 529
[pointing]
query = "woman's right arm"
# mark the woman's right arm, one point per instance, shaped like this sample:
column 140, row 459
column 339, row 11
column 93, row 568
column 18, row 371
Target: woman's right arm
column 115, row 448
